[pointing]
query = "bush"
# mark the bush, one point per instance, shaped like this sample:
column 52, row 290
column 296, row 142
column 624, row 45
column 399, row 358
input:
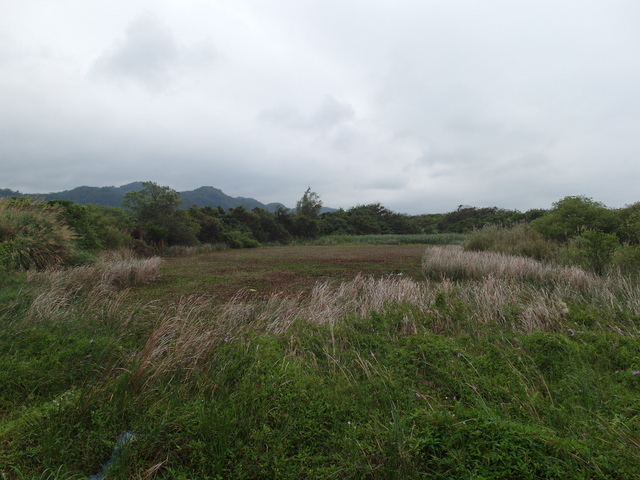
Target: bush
column 597, row 249
column 520, row 240
column 627, row 259
column 34, row 235
column 238, row 239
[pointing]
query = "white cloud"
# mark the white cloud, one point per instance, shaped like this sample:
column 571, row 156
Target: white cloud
column 421, row 106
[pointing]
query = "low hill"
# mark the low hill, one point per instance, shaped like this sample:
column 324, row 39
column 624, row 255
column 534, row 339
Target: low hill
column 113, row 196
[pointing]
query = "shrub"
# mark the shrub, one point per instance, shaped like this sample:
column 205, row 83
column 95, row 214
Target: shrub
column 34, row 235
column 519, row 240
column 597, row 249
column 627, row 259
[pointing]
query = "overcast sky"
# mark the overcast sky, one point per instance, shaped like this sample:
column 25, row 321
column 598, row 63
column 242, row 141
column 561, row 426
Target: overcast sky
column 420, row 105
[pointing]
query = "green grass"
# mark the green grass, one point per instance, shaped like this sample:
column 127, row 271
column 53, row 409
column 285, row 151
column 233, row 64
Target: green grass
column 315, row 385
column 392, row 239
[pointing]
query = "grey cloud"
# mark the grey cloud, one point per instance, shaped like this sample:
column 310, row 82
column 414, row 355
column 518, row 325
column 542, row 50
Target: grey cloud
column 150, row 55
column 329, row 114
column 383, row 184
column 480, row 103
column 344, row 138
column 331, row 123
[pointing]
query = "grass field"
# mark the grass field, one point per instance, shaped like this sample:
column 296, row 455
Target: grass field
column 345, row 361
column 277, row 269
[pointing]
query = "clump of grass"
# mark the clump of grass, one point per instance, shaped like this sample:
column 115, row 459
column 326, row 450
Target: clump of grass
column 521, row 240
column 457, row 264
column 33, row 235
column 543, row 287
column 85, row 286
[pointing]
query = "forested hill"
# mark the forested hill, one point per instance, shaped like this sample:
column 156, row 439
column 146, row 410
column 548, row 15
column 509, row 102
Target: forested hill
column 112, row 197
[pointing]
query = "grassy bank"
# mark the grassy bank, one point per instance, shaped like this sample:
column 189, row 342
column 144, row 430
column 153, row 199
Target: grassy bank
column 475, row 366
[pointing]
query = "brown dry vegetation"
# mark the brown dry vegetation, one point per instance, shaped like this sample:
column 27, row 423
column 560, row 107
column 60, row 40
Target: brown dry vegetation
column 290, row 270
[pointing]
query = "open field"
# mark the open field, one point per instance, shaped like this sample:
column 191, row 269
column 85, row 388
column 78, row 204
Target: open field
column 278, row 269
column 321, row 362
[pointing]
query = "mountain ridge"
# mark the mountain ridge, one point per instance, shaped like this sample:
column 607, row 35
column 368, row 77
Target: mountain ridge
column 112, row 196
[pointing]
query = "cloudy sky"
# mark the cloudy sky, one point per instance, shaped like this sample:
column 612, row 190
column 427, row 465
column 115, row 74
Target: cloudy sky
column 421, row 105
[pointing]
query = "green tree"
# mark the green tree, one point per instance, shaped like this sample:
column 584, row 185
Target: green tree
column 466, row 219
column 572, row 216
column 629, row 230
column 309, row 205
column 307, row 222
column 210, row 225
column 114, row 226
column 157, row 220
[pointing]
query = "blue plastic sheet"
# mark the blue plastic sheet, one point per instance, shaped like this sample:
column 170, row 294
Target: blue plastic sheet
column 123, row 439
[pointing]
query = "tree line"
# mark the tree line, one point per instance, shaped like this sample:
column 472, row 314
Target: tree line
column 151, row 219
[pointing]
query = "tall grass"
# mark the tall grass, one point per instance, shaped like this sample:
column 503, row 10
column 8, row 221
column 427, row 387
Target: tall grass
column 58, row 291
column 520, row 240
column 495, row 374
column 458, row 264
column 33, row 235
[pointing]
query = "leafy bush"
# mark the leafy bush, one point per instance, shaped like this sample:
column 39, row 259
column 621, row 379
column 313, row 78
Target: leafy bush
column 627, row 259
column 597, row 249
column 571, row 216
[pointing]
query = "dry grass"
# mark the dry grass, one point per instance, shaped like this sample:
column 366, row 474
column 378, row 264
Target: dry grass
column 457, row 264
column 88, row 286
column 188, row 334
column 538, row 290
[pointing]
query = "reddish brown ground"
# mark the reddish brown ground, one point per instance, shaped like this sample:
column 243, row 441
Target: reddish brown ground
column 278, row 269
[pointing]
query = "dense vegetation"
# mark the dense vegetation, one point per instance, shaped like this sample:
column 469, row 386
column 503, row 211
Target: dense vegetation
column 481, row 365
column 153, row 218
column 513, row 355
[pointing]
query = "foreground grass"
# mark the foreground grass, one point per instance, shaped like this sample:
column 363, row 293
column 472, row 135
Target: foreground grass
column 370, row 377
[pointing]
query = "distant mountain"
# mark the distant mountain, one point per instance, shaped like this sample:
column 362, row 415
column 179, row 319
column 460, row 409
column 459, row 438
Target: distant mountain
column 113, row 196
column 107, row 196
column 5, row 192
column 217, row 198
